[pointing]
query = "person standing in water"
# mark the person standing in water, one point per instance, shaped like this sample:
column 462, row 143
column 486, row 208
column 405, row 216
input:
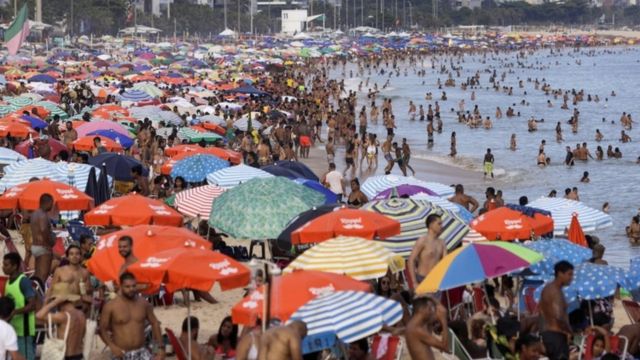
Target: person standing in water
column 453, row 145
column 488, row 163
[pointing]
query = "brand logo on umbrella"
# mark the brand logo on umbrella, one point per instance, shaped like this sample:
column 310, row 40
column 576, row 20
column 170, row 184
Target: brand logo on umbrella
column 106, row 242
column 321, row 291
column 513, row 224
column 153, row 262
column 224, row 267
column 252, row 303
column 14, row 192
column 103, row 209
column 67, row 193
column 352, row 223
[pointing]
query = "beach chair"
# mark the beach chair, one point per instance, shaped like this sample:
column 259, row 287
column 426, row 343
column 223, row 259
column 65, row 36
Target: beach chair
column 632, row 309
column 394, row 346
column 177, row 346
column 456, row 349
column 619, row 343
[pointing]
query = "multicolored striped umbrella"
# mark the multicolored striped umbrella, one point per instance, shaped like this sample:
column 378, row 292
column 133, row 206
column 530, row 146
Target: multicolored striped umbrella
column 412, row 214
column 356, row 257
column 377, row 184
column 134, row 95
column 477, row 262
column 350, row 315
column 562, row 210
column 196, row 168
column 197, row 201
column 235, row 175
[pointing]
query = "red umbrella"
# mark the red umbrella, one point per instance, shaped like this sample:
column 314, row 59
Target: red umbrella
column 133, row 209
column 576, row 235
column 507, row 224
column 347, row 222
column 27, row 196
column 55, row 146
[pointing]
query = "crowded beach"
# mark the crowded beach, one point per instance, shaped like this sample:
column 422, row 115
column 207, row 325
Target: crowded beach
column 236, row 201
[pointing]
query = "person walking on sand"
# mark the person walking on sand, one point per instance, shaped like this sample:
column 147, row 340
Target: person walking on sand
column 553, row 308
column 488, row 163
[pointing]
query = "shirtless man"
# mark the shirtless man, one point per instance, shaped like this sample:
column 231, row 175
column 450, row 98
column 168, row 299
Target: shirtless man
column 283, row 343
column 553, row 309
column 125, row 249
column 264, row 154
column 43, row 238
column 74, row 275
column 63, row 297
column 70, row 135
column 123, row 321
column 419, row 333
column 469, row 202
column 427, row 251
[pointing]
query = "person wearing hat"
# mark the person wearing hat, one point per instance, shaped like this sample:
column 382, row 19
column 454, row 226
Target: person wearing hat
column 63, row 298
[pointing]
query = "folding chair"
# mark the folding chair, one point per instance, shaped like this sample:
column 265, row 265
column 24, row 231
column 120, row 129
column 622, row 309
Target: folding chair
column 615, row 341
column 394, row 346
column 632, row 309
column 457, row 350
column 179, row 351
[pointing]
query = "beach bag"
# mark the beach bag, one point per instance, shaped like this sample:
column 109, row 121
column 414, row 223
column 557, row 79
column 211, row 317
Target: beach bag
column 89, row 337
column 54, row 348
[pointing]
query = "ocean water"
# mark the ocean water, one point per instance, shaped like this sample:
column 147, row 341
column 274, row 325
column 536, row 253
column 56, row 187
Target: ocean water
column 598, row 71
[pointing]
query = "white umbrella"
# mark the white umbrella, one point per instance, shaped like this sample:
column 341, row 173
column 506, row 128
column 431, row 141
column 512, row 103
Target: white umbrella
column 563, row 209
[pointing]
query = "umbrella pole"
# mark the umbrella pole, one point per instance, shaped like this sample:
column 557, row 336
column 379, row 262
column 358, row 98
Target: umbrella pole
column 448, row 304
column 518, row 289
column 590, row 312
column 189, row 329
column 267, row 298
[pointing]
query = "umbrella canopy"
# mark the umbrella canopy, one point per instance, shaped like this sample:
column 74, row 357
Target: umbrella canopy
column 21, row 172
column 104, row 189
column 477, row 262
column 359, row 258
column 290, row 292
column 299, row 168
column 235, row 175
column 134, row 95
column 350, row 315
column 189, row 268
column 377, row 184
column 346, row 222
column 15, row 129
column 562, row 211
column 261, row 208
column 576, row 235
column 87, row 144
column 593, row 281
column 555, row 250
column 121, row 139
column 284, row 239
column 26, row 148
column 282, row 172
column 195, row 136
column 402, row 191
column 8, row 156
column 197, row 202
column 133, row 209
column 93, row 126
column 106, row 261
column 411, row 214
column 27, row 196
column 196, row 168
column 118, row 166
column 507, row 224
column 329, row 196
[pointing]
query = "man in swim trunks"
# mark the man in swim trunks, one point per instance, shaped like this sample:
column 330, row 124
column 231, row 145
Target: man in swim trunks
column 553, row 309
column 43, row 238
column 488, row 163
column 427, row 251
column 420, row 332
column 283, row 342
column 468, row 202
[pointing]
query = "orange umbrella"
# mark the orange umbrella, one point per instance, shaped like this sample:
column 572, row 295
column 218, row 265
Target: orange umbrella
column 112, row 108
column 189, row 268
column 85, row 143
column 27, row 196
column 219, row 152
column 507, row 224
column 215, row 128
column 576, row 235
column 41, row 111
column 347, row 222
column 290, row 292
column 15, row 129
column 133, row 209
column 147, row 239
column 233, row 157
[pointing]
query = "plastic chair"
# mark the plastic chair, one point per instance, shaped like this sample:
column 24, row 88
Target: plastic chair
column 632, row 309
column 529, row 301
column 394, row 347
column 615, row 341
column 177, row 346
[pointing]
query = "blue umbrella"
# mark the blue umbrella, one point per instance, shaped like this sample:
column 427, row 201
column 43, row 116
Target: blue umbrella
column 592, row 281
column 329, row 196
column 118, row 166
column 134, row 95
column 196, row 168
column 104, row 190
column 282, row 171
column 298, row 167
column 35, row 122
column 42, row 78
column 555, row 250
column 122, row 139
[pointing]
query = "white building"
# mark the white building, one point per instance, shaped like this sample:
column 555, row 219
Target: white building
column 293, row 21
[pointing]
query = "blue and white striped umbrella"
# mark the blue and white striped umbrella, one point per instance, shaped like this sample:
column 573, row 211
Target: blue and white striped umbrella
column 134, row 95
column 562, row 209
column 196, row 168
column 555, row 250
column 376, row 184
column 457, row 209
column 8, row 156
column 73, row 174
column 155, row 114
column 235, row 175
column 350, row 315
column 213, row 119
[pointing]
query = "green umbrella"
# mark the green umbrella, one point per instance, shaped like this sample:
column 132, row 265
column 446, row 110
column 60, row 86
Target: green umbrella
column 194, row 136
column 262, row 207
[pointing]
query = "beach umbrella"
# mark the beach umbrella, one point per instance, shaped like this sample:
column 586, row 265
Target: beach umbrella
column 289, row 292
column 562, row 211
column 149, row 88
column 359, row 258
column 411, row 214
column 346, row 222
column 555, row 250
column 294, row 224
column 106, row 261
column 196, row 168
column 507, row 224
column 43, row 78
column 349, row 315
column 8, row 156
column 92, row 184
column 26, row 148
column 197, row 202
column 118, row 166
column 134, row 95
column 131, row 210
column 104, row 188
column 402, row 191
column 235, row 175
column 593, row 281
column 15, row 129
column 86, row 143
column 195, row 136
column 261, row 207
column 89, row 127
column 21, row 172
column 576, row 235
column 299, row 168
column 27, row 196
column 477, row 262
column 233, row 157
column 32, row 121
column 329, row 196
column 281, row 171
column 376, row 184
column 119, row 138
